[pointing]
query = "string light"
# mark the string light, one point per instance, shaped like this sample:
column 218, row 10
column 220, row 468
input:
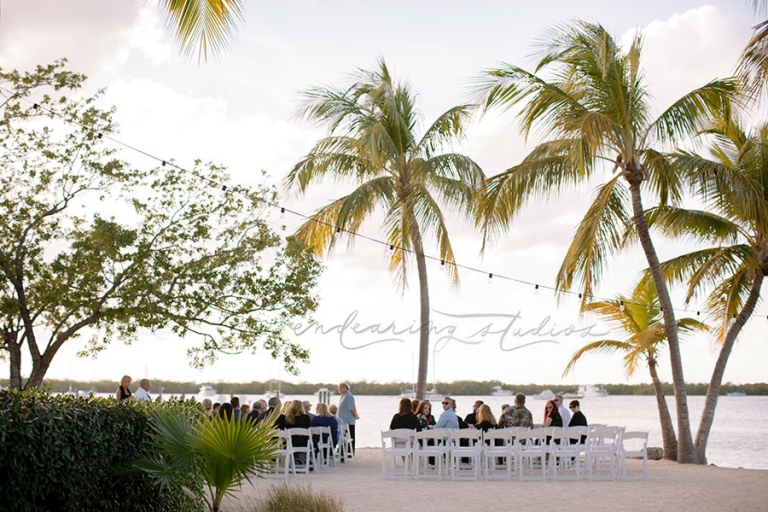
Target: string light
column 536, row 289
column 391, row 247
column 337, row 232
column 621, row 305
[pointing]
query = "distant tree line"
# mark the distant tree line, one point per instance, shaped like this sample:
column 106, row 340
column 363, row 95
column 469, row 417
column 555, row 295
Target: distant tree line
column 461, row 387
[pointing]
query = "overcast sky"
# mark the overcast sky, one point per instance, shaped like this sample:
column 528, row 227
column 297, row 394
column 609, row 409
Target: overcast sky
column 237, row 111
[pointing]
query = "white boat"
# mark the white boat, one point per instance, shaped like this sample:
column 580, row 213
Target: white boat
column 547, row 394
column 207, row 390
column 590, row 391
column 432, row 395
column 499, row 391
column 736, row 393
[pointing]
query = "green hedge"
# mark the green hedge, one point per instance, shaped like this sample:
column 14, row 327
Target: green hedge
column 70, row 454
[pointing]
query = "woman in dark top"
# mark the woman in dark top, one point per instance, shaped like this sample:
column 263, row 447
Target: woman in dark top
column 296, row 417
column 323, row 418
column 405, row 417
column 424, row 413
column 124, row 391
column 485, row 419
column 552, row 417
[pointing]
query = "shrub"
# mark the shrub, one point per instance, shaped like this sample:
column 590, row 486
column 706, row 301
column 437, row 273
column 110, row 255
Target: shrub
column 69, row 454
column 289, row 498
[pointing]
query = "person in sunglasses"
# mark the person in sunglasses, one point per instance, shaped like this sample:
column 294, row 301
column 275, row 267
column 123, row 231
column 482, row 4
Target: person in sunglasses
column 448, row 418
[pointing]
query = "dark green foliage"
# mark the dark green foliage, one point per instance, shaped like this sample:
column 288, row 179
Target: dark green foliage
column 69, row 454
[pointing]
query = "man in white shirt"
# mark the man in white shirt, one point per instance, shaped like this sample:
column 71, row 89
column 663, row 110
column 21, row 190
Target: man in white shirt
column 143, row 392
column 563, row 410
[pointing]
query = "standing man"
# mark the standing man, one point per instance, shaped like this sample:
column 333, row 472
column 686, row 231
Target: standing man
column 448, row 418
column 143, row 392
column 517, row 415
column 562, row 409
column 348, row 410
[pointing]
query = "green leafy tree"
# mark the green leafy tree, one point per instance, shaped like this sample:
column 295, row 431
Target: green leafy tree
column 372, row 143
column 203, row 26
column 588, row 96
column 640, row 318
column 733, row 182
column 90, row 246
column 222, row 453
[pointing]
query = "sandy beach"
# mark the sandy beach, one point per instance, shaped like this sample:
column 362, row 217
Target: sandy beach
column 671, row 486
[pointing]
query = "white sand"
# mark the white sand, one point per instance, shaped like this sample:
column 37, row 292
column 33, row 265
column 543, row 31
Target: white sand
column 671, row 486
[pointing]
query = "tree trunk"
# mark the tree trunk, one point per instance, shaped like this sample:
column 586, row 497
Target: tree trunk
column 667, row 427
column 713, row 392
column 685, row 451
column 14, row 352
column 421, row 265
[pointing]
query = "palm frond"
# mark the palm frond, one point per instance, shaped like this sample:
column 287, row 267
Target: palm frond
column 203, row 26
column 596, row 347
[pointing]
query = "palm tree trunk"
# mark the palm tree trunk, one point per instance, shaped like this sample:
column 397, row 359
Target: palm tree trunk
column 713, row 392
column 421, row 266
column 685, row 451
column 667, row 427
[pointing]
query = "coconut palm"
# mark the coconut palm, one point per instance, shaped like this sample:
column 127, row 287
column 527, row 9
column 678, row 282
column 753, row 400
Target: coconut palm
column 220, row 452
column 734, row 182
column 372, row 144
column 640, row 318
column 593, row 104
column 203, row 26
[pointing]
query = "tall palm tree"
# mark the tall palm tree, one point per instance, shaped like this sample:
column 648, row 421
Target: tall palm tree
column 372, row 143
column 203, row 26
column 640, row 318
column 734, row 182
column 594, row 105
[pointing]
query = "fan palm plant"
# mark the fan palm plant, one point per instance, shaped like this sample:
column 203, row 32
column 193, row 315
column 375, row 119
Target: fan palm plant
column 220, row 452
column 203, row 26
column 734, row 182
column 588, row 94
column 640, row 318
column 372, row 144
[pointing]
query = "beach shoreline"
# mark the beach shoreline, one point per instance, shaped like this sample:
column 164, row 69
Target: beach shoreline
column 671, row 486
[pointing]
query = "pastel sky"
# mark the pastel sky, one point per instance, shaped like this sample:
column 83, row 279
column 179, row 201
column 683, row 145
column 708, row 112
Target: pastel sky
column 238, row 111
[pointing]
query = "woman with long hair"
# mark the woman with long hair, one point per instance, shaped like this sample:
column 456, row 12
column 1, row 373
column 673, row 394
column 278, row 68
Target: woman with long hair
column 424, row 414
column 323, row 418
column 405, row 417
column 552, row 417
column 124, row 391
column 485, row 419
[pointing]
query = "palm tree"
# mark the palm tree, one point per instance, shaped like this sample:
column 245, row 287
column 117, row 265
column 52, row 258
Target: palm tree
column 639, row 317
column 372, row 144
column 203, row 26
column 752, row 69
column 219, row 453
column 733, row 181
column 595, row 106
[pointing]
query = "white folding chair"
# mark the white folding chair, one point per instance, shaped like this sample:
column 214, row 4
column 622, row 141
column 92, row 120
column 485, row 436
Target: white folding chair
column 345, row 446
column 602, row 454
column 532, row 454
column 466, row 454
column 500, row 454
column 634, row 444
column 429, row 449
column 303, row 456
column 280, row 466
column 564, row 456
column 323, row 440
column 396, row 445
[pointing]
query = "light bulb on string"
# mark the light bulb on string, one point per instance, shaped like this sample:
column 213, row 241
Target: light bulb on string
column 579, row 295
column 282, row 212
column 392, row 248
column 621, row 305
column 535, row 289
column 442, row 263
column 490, row 278
column 337, row 233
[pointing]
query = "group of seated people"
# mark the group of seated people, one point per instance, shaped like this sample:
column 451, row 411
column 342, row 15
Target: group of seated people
column 417, row 415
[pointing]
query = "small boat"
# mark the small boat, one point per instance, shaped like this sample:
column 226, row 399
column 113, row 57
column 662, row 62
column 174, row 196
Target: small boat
column 572, row 396
column 547, row 394
column 590, row 391
column 499, row 391
column 432, row 395
column 207, row 390
column 736, row 393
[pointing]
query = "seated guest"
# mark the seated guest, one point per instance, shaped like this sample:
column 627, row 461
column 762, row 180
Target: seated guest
column 296, row 417
column 517, row 415
column 207, row 406
column 308, row 409
column 405, row 417
column 462, row 423
column 235, row 402
column 226, row 411
column 245, row 410
column 323, row 418
column 415, row 405
column 215, row 409
column 448, row 418
column 485, row 420
column 333, row 409
column 552, row 416
column 259, row 406
column 424, row 414
column 578, row 419
column 471, row 418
